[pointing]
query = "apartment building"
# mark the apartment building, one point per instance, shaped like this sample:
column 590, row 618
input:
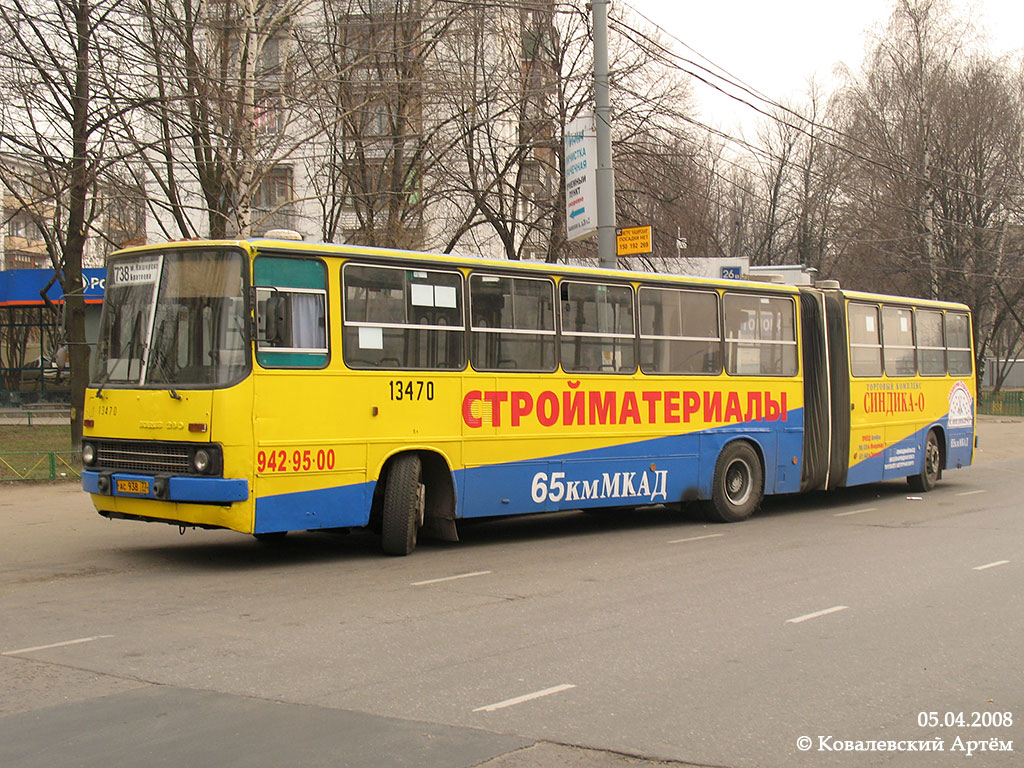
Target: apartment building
column 395, row 123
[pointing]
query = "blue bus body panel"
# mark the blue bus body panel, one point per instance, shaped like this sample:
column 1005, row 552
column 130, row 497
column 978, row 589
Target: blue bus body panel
column 346, row 506
column 660, row 470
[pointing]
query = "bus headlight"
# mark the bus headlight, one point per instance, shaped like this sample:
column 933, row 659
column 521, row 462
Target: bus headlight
column 201, row 461
column 88, row 454
column 206, row 459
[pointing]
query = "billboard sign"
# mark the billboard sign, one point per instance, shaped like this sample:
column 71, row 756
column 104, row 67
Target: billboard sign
column 580, row 177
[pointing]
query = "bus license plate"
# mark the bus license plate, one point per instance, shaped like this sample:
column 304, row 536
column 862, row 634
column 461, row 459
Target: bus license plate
column 140, row 487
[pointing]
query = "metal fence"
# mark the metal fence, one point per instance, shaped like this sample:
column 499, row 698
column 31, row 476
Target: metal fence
column 1001, row 403
column 35, row 415
column 40, row 465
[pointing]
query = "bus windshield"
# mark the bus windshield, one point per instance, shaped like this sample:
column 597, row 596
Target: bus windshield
column 173, row 319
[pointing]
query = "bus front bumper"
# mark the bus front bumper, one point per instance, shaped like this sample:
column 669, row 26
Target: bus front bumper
column 197, row 490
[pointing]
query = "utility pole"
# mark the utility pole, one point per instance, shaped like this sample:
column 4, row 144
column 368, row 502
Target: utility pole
column 605, row 175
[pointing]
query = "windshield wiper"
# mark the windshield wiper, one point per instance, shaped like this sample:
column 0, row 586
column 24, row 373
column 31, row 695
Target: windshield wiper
column 158, row 357
column 128, row 347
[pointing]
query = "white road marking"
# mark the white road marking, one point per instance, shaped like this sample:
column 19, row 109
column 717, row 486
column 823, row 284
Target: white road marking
column 55, row 645
column 990, row 565
column 855, row 512
column 450, row 578
column 971, row 493
column 816, row 614
column 696, row 538
column 527, row 697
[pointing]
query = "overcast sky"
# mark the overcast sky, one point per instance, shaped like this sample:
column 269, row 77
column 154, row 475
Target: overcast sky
column 775, row 46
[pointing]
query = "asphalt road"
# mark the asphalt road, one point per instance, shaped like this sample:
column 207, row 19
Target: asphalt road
column 585, row 640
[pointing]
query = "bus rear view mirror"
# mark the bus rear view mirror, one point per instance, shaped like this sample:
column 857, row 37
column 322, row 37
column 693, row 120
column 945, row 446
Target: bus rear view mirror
column 276, row 319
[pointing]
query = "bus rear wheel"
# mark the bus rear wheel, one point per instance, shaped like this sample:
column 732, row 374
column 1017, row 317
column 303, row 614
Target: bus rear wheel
column 738, row 484
column 402, row 510
column 932, row 466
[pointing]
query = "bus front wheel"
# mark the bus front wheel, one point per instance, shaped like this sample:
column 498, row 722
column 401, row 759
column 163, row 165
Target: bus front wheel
column 738, row 484
column 932, row 466
column 402, row 511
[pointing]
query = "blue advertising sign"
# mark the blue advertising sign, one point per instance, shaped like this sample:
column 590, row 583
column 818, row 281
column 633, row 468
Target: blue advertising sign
column 21, row 287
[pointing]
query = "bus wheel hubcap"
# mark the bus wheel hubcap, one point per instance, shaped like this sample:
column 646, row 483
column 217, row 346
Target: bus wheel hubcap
column 737, row 482
column 931, row 463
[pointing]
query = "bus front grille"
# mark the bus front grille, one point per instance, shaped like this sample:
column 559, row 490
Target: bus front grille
column 145, row 456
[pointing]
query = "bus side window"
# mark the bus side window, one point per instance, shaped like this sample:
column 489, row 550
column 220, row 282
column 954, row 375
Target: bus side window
column 931, row 348
column 679, row 331
column 760, row 335
column 513, row 323
column 958, row 344
column 291, row 313
column 898, row 349
column 598, row 332
column 402, row 318
column 865, row 340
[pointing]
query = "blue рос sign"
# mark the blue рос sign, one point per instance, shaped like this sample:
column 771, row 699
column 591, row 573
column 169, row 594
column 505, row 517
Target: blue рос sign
column 21, row 287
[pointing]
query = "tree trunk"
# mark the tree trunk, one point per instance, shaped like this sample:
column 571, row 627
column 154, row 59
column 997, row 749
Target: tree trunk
column 75, row 244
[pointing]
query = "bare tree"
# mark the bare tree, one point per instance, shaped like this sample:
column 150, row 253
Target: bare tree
column 528, row 76
column 892, row 108
column 221, row 85
column 60, row 79
column 822, row 165
column 799, row 168
column 382, row 129
column 936, row 137
column 776, row 176
column 500, row 93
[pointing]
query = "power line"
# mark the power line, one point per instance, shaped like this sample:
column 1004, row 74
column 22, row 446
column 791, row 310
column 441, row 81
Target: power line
column 676, row 61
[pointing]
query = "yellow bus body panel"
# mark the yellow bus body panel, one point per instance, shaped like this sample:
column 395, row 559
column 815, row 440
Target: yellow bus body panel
column 153, row 415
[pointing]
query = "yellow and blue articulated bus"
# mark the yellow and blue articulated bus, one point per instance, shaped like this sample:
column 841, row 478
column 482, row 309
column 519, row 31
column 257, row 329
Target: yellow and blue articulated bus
column 269, row 386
